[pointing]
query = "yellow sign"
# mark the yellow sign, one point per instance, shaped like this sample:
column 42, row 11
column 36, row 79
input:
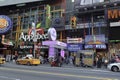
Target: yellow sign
column 113, row 14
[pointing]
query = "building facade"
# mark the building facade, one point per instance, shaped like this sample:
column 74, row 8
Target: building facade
column 92, row 23
column 44, row 14
column 93, row 20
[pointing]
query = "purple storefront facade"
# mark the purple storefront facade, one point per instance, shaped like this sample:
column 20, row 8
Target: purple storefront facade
column 55, row 44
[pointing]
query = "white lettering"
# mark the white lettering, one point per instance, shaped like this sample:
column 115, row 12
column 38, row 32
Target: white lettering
column 32, row 37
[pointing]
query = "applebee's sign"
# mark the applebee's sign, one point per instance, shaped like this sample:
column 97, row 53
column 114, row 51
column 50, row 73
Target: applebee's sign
column 33, row 37
column 51, row 35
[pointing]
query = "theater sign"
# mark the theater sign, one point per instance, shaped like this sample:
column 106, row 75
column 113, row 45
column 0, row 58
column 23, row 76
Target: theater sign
column 113, row 18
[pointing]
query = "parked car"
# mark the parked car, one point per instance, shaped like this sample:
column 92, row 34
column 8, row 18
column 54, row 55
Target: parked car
column 115, row 67
column 27, row 60
column 2, row 60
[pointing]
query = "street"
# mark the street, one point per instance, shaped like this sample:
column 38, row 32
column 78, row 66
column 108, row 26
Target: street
column 11, row 71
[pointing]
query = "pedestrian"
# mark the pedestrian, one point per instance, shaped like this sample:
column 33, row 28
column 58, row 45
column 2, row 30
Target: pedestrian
column 99, row 61
column 117, row 59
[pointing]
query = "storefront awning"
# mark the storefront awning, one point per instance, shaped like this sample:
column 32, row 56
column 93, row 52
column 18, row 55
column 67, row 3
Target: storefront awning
column 8, row 43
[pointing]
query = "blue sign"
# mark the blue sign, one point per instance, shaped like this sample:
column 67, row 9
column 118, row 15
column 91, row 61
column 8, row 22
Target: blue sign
column 75, row 47
column 95, row 39
column 96, row 46
column 5, row 24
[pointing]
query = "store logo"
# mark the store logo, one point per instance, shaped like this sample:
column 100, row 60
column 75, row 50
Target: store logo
column 5, row 24
column 33, row 37
column 113, row 14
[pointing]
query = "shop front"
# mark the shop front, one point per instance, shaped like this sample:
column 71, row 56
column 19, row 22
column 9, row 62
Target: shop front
column 98, row 44
column 55, row 48
column 6, row 43
column 74, row 45
column 113, row 19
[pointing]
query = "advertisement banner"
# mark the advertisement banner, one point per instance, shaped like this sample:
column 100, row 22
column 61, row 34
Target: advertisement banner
column 74, row 47
column 86, row 2
column 95, row 39
column 74, row 40
column 96, row 46
column 113, row 19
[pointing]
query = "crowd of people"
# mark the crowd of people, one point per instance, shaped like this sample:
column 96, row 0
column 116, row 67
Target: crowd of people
column 99, row 60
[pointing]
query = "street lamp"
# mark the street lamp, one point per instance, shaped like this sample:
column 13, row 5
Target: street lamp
column 34, row 34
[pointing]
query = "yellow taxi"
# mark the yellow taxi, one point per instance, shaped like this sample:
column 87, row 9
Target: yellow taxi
column 2, row 60
column 28, row 61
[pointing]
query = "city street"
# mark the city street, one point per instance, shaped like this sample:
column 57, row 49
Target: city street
column 11, row 71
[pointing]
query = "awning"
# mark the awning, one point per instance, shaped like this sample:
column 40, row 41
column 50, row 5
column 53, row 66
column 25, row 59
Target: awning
column 10, row 43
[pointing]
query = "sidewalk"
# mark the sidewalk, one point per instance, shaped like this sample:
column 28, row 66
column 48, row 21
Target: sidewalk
column 76, row 67
column 13, row 64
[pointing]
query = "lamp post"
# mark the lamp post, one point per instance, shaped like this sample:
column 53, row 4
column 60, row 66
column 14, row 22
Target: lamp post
column 34, row 39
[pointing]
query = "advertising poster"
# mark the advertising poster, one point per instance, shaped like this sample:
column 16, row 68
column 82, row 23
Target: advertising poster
column 74, row 47
column 95, row 39
column 86, row 2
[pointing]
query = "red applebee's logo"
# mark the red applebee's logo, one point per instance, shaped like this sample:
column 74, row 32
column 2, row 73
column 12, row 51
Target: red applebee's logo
column 5, row 24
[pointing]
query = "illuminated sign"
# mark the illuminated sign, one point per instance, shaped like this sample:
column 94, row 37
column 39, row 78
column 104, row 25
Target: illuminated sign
column 86, row 2
column 74, row 40
column 113, row 17
column 33, row 37
column 95, row 39
column 74, row 47
column 96, row 46
column 113, row 14
column 52, row 34
column 5, row 24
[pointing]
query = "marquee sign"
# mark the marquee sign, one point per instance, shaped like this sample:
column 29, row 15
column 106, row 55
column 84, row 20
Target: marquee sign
column 96, row 46
column 113, row 18
column 113, row 13
column 5, row 24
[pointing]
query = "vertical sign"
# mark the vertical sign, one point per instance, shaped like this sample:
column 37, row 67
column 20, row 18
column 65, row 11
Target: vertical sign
column 48, row 16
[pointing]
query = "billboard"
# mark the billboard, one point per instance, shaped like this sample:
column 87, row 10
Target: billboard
column 91, row 2
column 86, row 2
column 12, row 2
column 74, row 47
column 95, row 39
column 113, row 18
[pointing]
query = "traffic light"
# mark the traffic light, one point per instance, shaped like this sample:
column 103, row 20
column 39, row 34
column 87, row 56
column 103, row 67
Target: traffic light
column 73, row 22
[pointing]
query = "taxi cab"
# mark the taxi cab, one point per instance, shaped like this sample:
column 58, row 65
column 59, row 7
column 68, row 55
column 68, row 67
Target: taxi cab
column 28, row 61
column 2, row 60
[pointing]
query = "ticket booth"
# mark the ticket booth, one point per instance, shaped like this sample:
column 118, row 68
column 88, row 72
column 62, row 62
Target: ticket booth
column 85, row 58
